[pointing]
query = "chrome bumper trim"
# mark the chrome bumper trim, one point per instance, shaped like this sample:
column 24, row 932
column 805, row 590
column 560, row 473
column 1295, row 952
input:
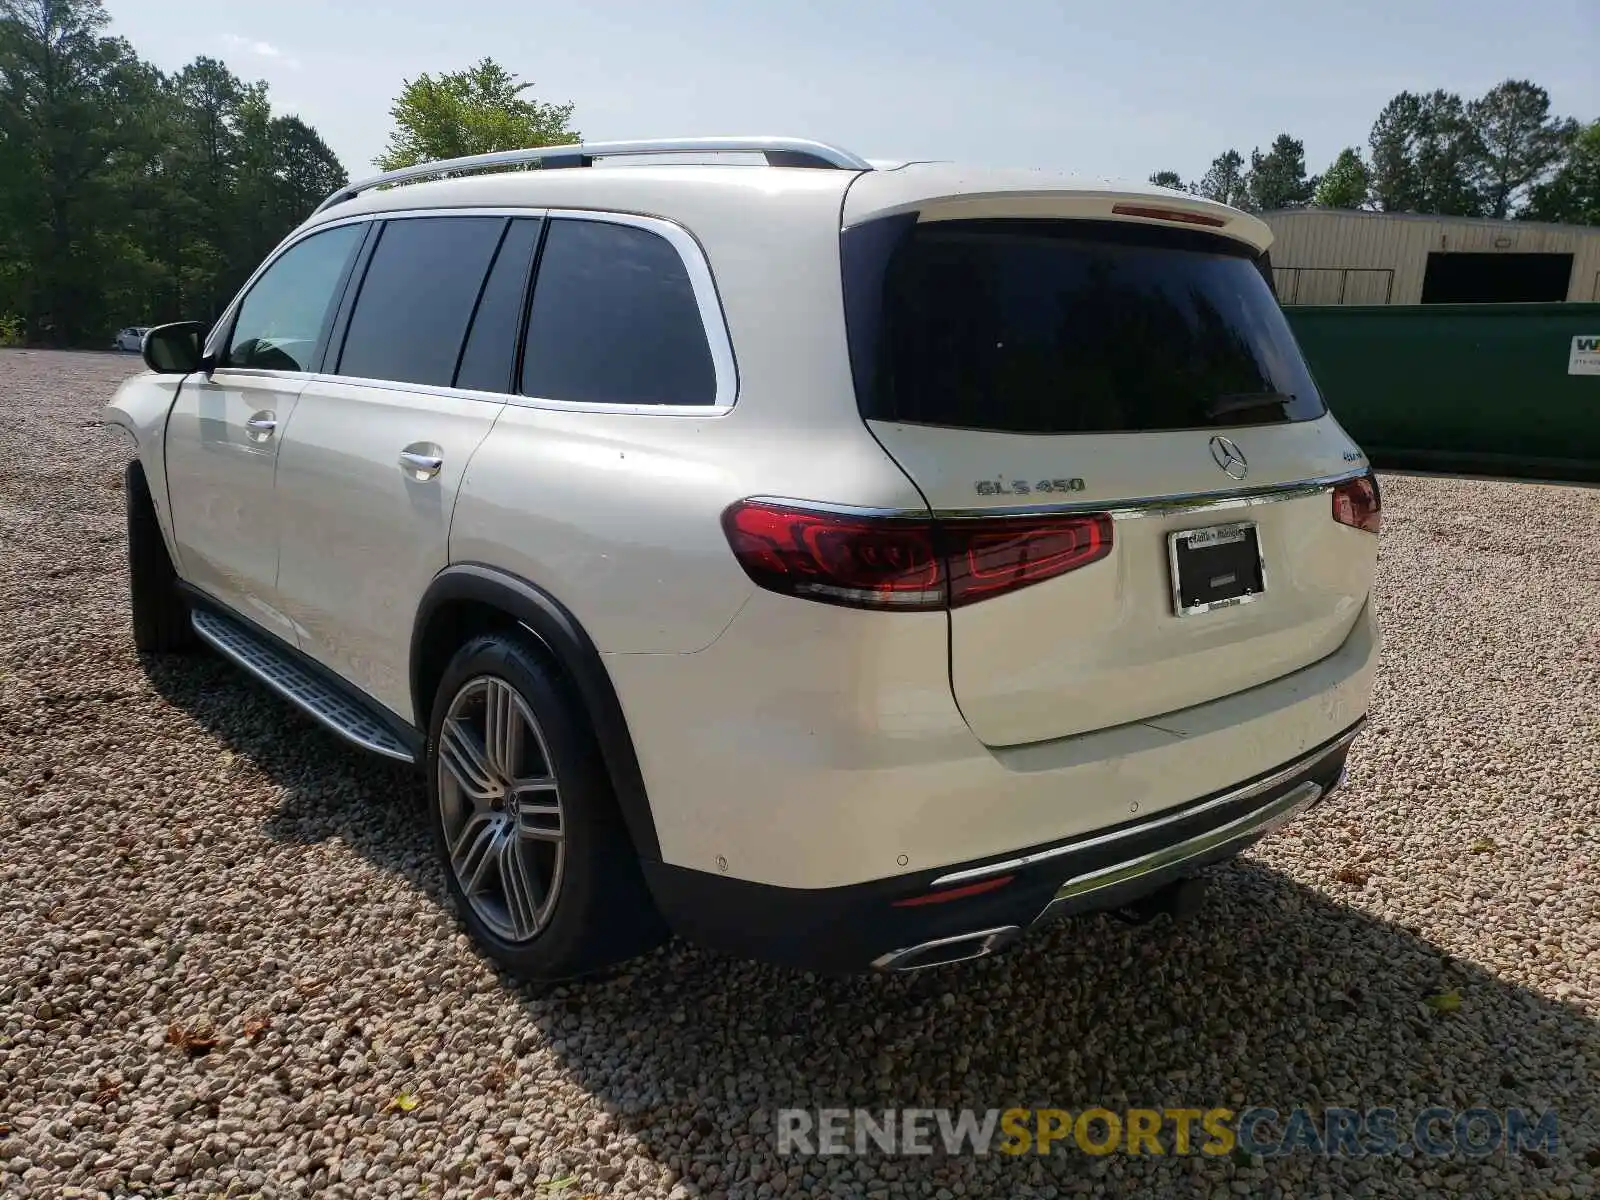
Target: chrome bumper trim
column 1278, row 777
column 1252, row 825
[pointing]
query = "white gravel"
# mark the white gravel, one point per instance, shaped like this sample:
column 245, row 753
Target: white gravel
column 182, row 857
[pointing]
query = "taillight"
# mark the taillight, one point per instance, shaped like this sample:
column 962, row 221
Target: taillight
column 911, row 564
column 1358, row 503
column 864, row 562
column 986, row 556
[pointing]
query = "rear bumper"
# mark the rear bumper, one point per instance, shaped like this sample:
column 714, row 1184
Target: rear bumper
column 826, row 756
column 861, row 926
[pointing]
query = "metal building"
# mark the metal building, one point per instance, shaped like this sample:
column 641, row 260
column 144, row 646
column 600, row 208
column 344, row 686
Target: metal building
column 1335, row 256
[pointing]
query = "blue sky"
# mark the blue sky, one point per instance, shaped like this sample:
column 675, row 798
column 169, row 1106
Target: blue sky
column 1114, row 88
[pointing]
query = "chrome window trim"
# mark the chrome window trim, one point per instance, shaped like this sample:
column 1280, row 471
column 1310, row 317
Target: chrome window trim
column 428, row 389
column 713, row 321
column 1120, row 510
column 1266, row 784
column 402, row 385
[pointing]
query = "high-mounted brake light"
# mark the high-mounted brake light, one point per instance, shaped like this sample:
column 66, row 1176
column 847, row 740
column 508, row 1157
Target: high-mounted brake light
column 907, row 564
column 1358, row 503
column 1181, row 216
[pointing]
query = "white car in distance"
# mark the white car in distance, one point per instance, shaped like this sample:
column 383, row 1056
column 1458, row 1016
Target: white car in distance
column 131, row 338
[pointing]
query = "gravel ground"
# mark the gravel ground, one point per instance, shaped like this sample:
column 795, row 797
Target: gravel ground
column 227, row 966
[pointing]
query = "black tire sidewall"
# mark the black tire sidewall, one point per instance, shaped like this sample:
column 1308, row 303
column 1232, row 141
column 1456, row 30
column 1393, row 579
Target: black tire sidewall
column 159, row 614
column 589, row 928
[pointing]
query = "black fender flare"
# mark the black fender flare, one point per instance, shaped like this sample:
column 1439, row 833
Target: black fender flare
column 574, row 652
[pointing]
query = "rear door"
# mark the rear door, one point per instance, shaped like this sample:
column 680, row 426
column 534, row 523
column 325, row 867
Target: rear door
column 370, row 469
column 1036, row 365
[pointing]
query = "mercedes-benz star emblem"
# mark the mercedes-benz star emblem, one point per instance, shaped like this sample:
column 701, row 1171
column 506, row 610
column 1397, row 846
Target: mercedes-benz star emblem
column 1229, row 457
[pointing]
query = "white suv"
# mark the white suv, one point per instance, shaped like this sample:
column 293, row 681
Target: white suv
column 846, row 564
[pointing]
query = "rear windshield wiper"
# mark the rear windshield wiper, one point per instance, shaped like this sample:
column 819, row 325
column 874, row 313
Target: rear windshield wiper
column 1234, row 402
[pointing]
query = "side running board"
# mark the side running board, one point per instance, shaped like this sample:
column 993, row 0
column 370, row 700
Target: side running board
column 291, row 680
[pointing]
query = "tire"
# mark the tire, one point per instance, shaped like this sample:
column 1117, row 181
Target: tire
column 544, row 908
column 160, row 613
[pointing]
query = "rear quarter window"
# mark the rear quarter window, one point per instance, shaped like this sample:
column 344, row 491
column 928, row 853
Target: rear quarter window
column 1052, row 326
column 614, row 320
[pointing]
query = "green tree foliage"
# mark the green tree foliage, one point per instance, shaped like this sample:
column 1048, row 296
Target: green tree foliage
column 1519, row 142
column 1572, row 195
column 1168, row 179
column 1426, row 155
column 71, row 129
column 1277, row 179
column 476, row 111
column 128, row 196
column 1501, row 155
column 1346, row 183
column 1224, row 182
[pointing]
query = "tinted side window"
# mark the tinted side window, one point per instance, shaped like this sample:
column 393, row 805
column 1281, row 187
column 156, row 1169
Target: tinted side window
column 491, row 353
column 417, row 298
column 615, row 321
column 282, row 318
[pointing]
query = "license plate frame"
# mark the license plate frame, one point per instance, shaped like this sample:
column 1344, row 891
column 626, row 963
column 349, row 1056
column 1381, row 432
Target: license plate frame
column 1190, row 599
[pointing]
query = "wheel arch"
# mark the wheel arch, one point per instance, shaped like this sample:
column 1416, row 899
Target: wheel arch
column 462, row 600
column 138, row 414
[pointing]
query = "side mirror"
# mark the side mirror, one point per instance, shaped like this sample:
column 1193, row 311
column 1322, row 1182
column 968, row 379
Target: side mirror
column 175, row 349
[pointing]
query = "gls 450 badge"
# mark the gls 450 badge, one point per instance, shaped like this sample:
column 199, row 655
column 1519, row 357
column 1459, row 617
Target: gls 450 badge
column 1021, row 487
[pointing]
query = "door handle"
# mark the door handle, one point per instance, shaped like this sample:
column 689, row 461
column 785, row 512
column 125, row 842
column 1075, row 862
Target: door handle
column 261, row 426
column 425, row 466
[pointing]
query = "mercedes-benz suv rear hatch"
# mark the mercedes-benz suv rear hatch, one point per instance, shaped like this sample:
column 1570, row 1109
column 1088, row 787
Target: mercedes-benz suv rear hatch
column 1184, row 524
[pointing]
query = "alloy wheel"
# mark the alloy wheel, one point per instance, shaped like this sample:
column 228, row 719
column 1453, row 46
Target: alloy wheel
column 500, row 806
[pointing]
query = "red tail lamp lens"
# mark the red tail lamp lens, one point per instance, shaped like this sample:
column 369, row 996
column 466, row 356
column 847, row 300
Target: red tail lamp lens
column 988, row 556
column 861, row 562
column 906, row 564
column 1359, row 504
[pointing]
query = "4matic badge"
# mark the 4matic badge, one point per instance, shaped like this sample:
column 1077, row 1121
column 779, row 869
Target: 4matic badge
column 1021, row 487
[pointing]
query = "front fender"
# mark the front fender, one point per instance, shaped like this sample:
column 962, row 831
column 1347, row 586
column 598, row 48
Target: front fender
column 139, row 410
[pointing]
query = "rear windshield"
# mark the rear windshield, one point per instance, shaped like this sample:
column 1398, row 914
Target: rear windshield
column 1053, row 326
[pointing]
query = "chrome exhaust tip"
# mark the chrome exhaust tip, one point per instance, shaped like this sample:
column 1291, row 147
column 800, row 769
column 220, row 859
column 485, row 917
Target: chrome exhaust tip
column 943, row 951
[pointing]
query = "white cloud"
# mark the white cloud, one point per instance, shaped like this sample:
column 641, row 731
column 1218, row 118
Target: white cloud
column 259, row 49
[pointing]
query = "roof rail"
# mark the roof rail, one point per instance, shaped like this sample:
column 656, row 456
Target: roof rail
column 779, row 152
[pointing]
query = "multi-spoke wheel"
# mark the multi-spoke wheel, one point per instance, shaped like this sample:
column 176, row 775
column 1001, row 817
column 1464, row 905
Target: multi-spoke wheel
column 535, row 850
column 501, row 808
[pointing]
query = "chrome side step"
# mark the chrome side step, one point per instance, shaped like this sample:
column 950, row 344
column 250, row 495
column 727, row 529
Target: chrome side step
column 299, row 686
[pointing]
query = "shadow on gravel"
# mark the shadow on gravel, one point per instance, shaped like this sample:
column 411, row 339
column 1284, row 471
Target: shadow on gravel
column 1275, row 995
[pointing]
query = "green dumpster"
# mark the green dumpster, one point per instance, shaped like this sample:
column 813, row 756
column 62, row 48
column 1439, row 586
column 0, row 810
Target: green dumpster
column 1494, row 389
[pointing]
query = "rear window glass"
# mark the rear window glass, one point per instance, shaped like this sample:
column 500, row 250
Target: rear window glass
column 1070, row 327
